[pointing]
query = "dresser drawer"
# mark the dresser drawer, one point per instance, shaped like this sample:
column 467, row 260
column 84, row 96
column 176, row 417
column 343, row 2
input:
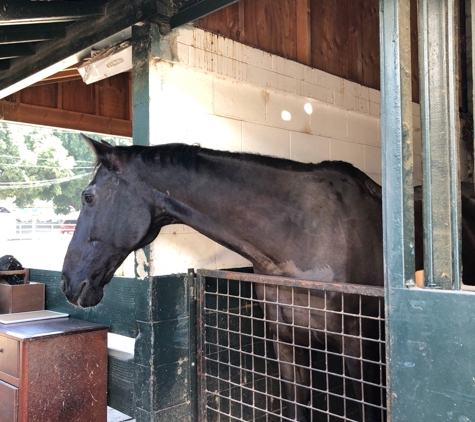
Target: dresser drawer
column 8, row 402
column 10, row 356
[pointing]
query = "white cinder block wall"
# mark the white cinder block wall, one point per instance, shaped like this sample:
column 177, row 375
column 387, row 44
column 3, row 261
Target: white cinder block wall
column 225, row 95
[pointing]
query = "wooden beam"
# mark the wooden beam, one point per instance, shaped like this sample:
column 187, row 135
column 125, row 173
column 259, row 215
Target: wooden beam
column 197, row 11
column 53, row 56
column 37, row 115
column 9, row 51
column 23, row 11
column 37, row 32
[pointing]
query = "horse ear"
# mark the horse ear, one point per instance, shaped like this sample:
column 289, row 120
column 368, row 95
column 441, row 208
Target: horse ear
column 105, row 153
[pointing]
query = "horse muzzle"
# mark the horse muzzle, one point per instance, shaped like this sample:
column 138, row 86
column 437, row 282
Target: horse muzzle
column 83, row 295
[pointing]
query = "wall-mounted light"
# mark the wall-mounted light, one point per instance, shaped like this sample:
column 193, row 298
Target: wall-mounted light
column 107, row 63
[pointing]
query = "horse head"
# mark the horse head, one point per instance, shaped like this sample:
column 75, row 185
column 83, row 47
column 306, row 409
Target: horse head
column 116, row 218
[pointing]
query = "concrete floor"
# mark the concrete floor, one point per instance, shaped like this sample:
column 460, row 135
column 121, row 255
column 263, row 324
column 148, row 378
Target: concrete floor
column 116, row 416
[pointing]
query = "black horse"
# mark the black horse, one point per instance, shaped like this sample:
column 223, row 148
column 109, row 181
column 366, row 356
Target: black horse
column 312, row 221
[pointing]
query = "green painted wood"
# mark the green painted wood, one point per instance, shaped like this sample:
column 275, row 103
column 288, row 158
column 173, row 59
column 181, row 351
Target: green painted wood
column 163, row 350
column 440, row 134
column 117, row 309
column 145, row 79
column 435, row 363
column 121, row 384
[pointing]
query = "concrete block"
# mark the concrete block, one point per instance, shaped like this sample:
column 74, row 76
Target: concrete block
column 257, row 57
column 328, row 121
column 261, row 77
column 374, row 109
column 308, row 148
column 374, row 96
column 362, row 105
column 363, row 129
column 174, row 253
column 265, row 140
column 293, row 106
column 373, row 162
column 239, row 100
column 317, row 92
column 347, row 151
column 362, row 92
column 286, row 83
column 229, row 259
column 211, row 131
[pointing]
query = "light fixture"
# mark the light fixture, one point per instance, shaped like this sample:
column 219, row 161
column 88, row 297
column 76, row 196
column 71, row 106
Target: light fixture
column 107, row 63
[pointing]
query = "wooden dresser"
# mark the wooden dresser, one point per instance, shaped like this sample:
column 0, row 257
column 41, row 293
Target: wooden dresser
column 53, row 371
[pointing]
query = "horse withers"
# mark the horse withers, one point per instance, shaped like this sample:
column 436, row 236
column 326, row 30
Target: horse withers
column 310, row 221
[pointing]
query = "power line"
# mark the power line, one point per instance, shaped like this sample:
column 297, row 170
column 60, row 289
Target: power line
column 39, row 183
column 47, row 167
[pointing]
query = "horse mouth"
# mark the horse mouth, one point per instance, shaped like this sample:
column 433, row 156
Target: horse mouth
column 85, row 296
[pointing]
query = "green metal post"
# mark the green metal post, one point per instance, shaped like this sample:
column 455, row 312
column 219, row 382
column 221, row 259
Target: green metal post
column 440, row 133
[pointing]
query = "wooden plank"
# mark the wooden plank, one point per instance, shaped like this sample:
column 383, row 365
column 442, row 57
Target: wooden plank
column 329, row 19
column 355, row 44
column 303, row 38
column 17, row 112
column 113, row 97
column 370, row 43
column 79, row 98
column 44, row 96
column 270, row 26
column 225, row 22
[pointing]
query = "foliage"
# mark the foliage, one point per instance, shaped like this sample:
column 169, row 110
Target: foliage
column 33, row 162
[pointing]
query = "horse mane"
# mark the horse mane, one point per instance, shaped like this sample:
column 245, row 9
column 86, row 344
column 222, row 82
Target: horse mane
column 189, row 156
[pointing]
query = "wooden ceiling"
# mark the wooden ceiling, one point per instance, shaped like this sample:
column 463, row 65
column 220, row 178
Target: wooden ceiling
column 39, row 38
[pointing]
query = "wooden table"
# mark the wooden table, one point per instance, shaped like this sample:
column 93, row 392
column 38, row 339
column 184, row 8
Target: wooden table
column 53, row 371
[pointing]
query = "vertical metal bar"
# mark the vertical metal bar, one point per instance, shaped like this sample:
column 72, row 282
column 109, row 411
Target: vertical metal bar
column 440, row 134
column 200, row 352
column 397, row 161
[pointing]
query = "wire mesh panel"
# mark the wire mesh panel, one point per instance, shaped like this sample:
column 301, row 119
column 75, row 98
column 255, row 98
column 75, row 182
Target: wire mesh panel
column 275, row 349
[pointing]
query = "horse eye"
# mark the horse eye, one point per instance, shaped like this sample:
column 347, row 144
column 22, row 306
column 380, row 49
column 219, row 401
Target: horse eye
column 89, row 199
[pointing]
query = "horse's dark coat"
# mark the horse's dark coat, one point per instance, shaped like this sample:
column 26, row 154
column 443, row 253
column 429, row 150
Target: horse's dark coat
column 312, row 221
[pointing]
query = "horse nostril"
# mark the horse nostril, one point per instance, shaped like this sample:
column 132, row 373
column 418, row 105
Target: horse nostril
column 62, row 285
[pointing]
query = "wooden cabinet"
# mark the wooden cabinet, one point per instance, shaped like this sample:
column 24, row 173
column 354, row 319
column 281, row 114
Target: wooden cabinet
column 53, row 371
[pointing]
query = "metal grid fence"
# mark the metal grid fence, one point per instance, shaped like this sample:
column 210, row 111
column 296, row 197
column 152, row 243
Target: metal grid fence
column 331, row 336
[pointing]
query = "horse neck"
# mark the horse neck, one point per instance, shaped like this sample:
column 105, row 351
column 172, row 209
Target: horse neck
column 225, row 200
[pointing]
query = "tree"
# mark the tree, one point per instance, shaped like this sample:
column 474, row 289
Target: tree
column 32, row 162
column 45, row 163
